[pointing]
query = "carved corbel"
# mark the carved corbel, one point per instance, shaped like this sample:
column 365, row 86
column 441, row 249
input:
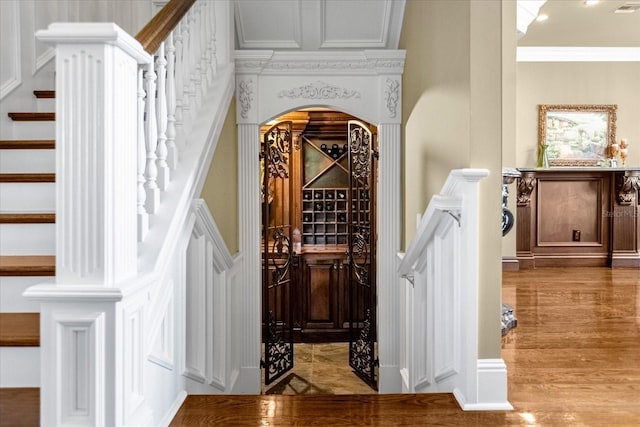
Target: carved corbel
column 526, row 184
column 627, row 187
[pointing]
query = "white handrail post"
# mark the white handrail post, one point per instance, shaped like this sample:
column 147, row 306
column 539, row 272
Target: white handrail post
column 172, row 154
column 143, row 216
column 161, row 110
column 188, row 96
column 213, row 60
column 179, row 93
column 151, row 137
column 204, row 43
column 96, row 221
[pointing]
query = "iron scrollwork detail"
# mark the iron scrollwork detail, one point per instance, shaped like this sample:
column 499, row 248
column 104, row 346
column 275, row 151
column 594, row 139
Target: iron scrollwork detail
column 281, row 246
column 360, row 146
column 278, row 143
column 360, row 249
column 362, row 351
column 279, row 353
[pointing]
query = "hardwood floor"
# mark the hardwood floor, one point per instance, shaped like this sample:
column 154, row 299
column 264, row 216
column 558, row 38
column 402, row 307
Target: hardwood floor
column 573, row 359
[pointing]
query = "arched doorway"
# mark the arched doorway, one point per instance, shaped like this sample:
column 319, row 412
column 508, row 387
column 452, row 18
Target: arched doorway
column 366, row 85
column 318, row 202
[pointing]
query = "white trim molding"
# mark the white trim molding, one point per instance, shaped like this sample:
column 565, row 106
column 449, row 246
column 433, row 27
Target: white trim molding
column 577, row 54
column 492, row 388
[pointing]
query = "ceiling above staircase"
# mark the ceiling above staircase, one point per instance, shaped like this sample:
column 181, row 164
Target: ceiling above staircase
column 318, row 24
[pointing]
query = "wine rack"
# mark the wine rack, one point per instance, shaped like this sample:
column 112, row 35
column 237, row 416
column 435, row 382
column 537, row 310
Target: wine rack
column 325, row 215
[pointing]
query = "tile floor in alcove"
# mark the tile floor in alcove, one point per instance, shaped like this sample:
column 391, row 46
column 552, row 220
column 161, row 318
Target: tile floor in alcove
column 319, row 369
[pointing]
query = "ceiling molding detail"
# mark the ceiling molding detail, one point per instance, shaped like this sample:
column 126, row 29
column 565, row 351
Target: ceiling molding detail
column 328, row 63
column 319, row 90
column 379, row 41
column 258, row 25
column 313, row 25
column 577, row 54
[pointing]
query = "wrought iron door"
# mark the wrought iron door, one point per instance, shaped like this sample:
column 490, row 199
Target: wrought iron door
column 279, row 262
column 361, row 251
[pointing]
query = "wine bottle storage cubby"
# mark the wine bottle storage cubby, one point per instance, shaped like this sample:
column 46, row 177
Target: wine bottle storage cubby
column 325, row 213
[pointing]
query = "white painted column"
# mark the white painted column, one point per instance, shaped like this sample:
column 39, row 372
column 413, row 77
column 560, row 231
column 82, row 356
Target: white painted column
column 389, row 211
column 249, row 209
column 96, row 221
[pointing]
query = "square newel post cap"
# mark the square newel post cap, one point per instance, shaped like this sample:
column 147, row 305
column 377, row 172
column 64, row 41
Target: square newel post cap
column 94, row 33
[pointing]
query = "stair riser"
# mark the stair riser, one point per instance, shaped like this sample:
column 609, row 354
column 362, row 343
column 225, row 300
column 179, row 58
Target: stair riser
column 27, row 161
column 27, row 197
column 19, row 366
column 34, row 130
column 27, row 239
column 45, row 105
column 11, row 289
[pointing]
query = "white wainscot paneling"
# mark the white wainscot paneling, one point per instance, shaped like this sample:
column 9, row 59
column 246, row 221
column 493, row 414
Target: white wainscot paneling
column 10, row 66
column 81, row 346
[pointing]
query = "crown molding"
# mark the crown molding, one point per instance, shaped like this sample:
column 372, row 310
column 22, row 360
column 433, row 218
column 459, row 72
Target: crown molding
column 367, row 62
column 577, row 54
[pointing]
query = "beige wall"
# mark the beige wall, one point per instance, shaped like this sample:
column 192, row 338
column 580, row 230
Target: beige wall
column 452, row 115
column 577, row 83
column 220, row 190
column 509, row 42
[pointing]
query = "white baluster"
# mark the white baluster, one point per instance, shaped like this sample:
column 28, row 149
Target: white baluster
column 195, row 59
column 213, row 61
column 204, row 44
column 179, row 86
column 172, row 149
column 151, row 136
column 186, row 79
column 143, row 216
column 161, row 110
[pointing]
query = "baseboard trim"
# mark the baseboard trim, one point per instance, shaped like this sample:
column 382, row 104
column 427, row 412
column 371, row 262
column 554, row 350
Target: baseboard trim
column 491, row 388
column 390, row 379
column 247, row 381
column 173, row 409
column 510, row 263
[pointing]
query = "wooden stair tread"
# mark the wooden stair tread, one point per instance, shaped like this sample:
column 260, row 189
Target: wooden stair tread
column 27, row 265
column 27, row 177
column 19, row 329
column 32, row 117
column 27, row 218
column 44, row 94
column 27, row 144
column 20, row 407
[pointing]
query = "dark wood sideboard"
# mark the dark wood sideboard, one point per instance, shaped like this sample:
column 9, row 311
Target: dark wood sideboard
column 578, row 216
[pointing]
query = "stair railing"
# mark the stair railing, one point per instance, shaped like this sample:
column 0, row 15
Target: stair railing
column 137, row 122
column 439, row 296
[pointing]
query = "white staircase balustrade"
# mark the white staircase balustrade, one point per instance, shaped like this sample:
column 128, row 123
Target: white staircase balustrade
column 113, row 339
column 440, row 302
column 161, row 111
column 151, row 139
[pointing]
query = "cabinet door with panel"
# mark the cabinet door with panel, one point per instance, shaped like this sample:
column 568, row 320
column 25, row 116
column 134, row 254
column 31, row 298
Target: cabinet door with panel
column 322, row 299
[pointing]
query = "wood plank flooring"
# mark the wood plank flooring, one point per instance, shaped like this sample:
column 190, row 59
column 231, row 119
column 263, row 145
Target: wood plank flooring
column 573, row 359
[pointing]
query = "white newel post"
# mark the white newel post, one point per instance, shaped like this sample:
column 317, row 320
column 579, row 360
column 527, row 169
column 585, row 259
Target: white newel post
column 96, row 221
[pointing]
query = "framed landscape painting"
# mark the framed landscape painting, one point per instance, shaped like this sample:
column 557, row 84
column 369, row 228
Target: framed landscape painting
column 576, row 135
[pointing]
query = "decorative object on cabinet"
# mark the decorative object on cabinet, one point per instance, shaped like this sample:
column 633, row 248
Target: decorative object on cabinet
column 576, row 135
